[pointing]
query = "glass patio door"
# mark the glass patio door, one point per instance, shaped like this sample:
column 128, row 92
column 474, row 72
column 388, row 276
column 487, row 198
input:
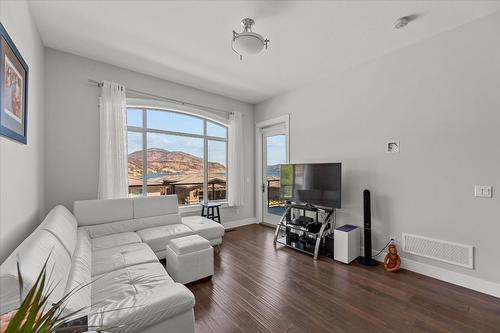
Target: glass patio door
column 274, row 154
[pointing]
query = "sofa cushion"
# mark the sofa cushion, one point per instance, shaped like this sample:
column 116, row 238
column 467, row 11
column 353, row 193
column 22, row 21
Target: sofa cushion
column 112, row 259
column 146, row 309
column 104, row 229
column 62, row 224
column 40, row 247
column 188, row 244
column 158, row 237
column 128, row 281
column 154, row 206
column 204, row 227
column 90, row 212
column 79, row 280
column 215, row 241
column 114, row 240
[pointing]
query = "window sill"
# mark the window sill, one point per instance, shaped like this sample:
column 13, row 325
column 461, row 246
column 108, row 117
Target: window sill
column 197, row 207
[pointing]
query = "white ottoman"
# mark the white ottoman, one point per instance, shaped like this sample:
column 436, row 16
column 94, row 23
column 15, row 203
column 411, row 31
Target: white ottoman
column 206, row 228
column 189, row 258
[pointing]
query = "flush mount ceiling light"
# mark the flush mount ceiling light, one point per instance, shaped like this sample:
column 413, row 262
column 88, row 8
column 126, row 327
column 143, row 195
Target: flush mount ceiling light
column 248, row 42
column 401, row 22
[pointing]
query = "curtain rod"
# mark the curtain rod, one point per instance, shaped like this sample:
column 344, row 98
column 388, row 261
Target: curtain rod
column 167, row 99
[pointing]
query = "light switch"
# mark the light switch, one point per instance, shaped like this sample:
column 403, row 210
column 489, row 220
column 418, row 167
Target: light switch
column 483, row 191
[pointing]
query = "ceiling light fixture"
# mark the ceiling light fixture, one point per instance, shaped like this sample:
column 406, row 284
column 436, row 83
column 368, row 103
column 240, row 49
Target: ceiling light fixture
column 248, row 42
column 402, row 22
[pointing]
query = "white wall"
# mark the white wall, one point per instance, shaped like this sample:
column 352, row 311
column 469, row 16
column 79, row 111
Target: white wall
column 22, row 166
column 72, row 148
column 441, row 99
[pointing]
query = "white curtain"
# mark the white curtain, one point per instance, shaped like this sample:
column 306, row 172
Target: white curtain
column 235, row 177
column 113, row 182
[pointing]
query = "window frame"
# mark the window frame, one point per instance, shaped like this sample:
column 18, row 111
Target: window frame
column 204, row 116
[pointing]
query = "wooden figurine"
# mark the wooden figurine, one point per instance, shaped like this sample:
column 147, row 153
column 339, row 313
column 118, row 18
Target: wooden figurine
column 392, row 261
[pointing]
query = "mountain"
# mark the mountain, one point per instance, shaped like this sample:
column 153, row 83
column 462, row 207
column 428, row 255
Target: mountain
column 164, row 161
column 274, row 169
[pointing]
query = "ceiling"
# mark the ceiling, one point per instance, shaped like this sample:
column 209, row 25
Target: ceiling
column 189, row 41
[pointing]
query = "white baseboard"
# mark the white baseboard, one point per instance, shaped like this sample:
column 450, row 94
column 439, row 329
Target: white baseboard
column 463, row 280
column 239, row 223
column 269, row 225
column 459, row 279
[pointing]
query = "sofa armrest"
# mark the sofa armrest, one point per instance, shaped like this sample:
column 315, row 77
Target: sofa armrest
column 134, row 313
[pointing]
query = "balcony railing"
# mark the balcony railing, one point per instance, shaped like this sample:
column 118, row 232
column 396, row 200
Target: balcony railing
column 273, row 194
column 187, row 193
column 190, row 193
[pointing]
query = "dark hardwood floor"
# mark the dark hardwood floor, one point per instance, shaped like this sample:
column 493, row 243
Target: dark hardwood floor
column 259, row 289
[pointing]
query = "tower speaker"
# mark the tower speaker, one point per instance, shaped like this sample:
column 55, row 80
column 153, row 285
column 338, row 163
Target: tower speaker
column 367, row 259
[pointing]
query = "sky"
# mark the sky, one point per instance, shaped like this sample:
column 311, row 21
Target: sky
column 177, row 122
column 276, row 149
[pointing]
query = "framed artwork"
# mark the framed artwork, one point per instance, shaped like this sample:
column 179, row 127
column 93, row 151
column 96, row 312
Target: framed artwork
column 13, row 90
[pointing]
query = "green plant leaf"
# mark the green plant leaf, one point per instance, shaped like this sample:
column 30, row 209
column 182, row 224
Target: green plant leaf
column 17, row 319
column 21, row 283
column 43, row 326
column 35, row 308
column 45, row 321
column 60, row 320
column 21, row 313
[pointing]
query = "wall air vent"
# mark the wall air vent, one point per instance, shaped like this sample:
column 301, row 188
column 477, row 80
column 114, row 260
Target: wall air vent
column 452, row 253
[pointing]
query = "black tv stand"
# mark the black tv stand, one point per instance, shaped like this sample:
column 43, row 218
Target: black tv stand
column 301, row 237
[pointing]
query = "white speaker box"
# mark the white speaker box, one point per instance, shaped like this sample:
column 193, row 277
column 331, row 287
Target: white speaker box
column 346, row 243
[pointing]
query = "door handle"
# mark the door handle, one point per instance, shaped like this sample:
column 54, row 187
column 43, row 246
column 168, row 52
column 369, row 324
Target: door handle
column 263, row 188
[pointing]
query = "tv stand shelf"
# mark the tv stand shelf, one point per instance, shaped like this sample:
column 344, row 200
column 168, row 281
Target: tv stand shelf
column 299, row 237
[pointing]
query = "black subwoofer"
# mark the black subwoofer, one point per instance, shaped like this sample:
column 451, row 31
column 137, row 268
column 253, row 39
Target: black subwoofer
column 367, row 259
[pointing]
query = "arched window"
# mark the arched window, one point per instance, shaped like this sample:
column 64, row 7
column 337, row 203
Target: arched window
column 171, row 152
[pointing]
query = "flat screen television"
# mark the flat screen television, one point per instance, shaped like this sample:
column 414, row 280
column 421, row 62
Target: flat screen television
column 317, row 184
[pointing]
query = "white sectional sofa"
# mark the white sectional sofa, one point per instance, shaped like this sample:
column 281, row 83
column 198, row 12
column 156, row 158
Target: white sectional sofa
column 151, row 220
column 116, row 245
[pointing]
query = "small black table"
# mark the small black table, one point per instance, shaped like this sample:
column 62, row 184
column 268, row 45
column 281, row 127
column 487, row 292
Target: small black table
column 210, row 206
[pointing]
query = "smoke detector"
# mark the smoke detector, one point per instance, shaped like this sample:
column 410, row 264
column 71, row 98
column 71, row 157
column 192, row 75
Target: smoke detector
column 248, row 42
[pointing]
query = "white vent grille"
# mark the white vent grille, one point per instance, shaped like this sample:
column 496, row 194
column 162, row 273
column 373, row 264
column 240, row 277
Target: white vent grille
column 452, row 253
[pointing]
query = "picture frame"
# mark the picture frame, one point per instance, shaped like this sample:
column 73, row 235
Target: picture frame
column 13, row 90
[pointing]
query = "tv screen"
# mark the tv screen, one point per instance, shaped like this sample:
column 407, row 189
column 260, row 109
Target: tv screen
column 317, row 184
